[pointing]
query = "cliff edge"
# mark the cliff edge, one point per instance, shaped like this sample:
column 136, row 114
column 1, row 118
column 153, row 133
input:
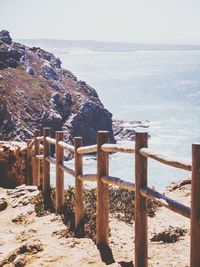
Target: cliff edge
column 36, row 92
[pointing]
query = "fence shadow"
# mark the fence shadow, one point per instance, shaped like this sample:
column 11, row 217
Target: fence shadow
column 107, row 256
column 126, row 264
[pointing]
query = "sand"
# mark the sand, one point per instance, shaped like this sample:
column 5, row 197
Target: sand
column 29, row 240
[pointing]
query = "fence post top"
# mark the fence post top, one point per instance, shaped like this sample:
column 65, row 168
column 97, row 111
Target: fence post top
column 46, row 128
column 103, row 132
column 78, row 138
column 141, row 133
column 195, row 145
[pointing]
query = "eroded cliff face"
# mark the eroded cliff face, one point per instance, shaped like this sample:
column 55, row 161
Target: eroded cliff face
column 36, row 92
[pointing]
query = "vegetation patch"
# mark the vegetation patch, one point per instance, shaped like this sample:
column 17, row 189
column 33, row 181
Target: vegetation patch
column 121, row 206
column 170, row 235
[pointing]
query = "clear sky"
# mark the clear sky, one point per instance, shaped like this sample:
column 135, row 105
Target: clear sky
column 146, row 21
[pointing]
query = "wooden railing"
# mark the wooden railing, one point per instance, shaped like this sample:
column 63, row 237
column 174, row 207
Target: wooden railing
column 103, row 179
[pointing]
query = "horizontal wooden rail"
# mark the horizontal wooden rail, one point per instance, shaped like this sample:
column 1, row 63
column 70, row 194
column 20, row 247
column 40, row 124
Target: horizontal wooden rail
column 87, row 149
column 51, row 160
column 173, row 162
column 51, row 140
column 118, row 182
column 66, row 146
column 24, row 148
column 40, row 138
column 88, row 177
column 66, row 169
column 111, row 148
column 166, row 201
column 39, row 157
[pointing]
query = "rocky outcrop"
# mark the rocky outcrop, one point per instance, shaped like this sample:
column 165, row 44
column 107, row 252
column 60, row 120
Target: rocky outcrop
column 36, row 92
column 87, row 121
column 5, row 37
column 125, row 130
column 13, row 169
column 3, row 203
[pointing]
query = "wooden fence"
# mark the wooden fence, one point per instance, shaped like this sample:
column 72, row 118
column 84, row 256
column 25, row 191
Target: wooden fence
column 102, row 178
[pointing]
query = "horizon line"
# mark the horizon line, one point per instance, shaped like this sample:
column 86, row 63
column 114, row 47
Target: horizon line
column 110, row 42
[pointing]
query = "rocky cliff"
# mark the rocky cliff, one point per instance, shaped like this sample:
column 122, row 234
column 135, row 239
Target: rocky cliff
column 35, row 91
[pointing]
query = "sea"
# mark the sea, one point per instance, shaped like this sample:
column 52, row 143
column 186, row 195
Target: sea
column 157, row 85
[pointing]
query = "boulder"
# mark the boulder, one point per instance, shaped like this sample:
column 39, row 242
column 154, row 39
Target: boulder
column 30, row 70
column 3, row 204
column 125, row 130
column 89, row 90
column 5, row 37
column 49, row 73
column 90, row 118
column 9, row 58
column 62, row 104
column 55, row 62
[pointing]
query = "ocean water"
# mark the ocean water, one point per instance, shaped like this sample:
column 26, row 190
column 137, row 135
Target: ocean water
column 158, row 86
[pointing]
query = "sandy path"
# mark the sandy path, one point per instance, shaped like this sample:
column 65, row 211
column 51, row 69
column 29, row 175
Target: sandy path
column 44, row 245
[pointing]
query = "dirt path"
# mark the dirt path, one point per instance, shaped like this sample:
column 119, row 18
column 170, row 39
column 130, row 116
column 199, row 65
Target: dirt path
column 29, row 240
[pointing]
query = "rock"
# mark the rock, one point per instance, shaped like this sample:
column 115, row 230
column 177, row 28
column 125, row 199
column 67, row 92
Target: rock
column 20, row 260
column 52, row 119
column 25, row 215
column 9, row 58
column 88, row 120
column 14, row 54
column 3, row 204
column 22, row 254
column 21, row 190
column 57, row 87
column 89, row 90
column 2, row 65
column 49, row 73
column 32, row 246
column 55, row 62
column 178, row 185
column 45, row 55
column 22, row 195
column 125, row 130
column 29, row 188
column 34, row 49
column 5, row 37
column 170, row 235
column 62, row 104
column 30, row 70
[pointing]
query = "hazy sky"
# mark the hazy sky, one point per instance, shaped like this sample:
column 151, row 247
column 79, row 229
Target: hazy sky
column 147, row 21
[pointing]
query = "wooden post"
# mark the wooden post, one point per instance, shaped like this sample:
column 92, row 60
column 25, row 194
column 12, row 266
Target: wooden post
column 29, row 179
column 35, row 161
column 79, row 209
column 141, row 241
column 59, row 174
column 195, row 208
column 102, row 228
column 46, row 164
